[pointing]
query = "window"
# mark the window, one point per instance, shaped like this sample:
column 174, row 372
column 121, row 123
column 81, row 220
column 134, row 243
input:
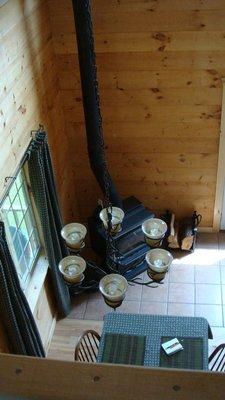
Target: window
column 21, row 229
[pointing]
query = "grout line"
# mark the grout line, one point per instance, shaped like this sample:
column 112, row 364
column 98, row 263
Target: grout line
column 221, row 293
column 142, row 289
column 85, row 308
column 195, row 297
column 167, row 299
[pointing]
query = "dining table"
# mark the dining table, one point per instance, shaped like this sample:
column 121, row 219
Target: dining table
column 146, row 333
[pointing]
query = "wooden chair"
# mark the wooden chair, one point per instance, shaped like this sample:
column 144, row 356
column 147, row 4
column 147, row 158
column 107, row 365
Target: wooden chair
column 87, row 347
column 217, row 359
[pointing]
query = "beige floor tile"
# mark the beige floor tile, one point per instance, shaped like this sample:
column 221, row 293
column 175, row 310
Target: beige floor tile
column 153, row 308
column 221, row 240
column 207, row 274
column 213, row 313
column 132, row 307
column 222, row 270
column 147, row 279
column 159, row 293
column 181, row 309
column 182, row 273
column 184, row 258
column 221, row 256
column 96, row 310
column 95, row 296
column 223, row 294
column 208, row 294
column 134, row 292
column 218, row 335
column 181, row 293
column 79, row 304
column 207, row 240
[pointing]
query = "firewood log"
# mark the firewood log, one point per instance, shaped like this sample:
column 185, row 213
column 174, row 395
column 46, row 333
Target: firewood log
column 187, row 231
column 173, row 242
column 171, row 229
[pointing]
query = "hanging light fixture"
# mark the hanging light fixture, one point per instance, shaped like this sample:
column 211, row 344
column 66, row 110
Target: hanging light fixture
column 74, row 235
column 117, row 216
column 113, row 288
column 72, row 269
column 154, row 230
column 159, row 261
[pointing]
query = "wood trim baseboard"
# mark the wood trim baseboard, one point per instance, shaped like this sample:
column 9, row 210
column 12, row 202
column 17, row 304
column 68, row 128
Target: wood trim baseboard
column 205, row 229
column 51, row 333
column 221, row 168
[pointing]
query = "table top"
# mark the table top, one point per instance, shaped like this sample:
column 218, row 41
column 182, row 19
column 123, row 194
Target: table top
column 154, row 327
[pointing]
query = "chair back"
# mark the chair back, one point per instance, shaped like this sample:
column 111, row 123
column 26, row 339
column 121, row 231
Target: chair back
column 87, row 347
column 217, row 359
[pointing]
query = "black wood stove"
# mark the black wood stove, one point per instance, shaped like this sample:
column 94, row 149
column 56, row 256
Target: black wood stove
column 129, row 242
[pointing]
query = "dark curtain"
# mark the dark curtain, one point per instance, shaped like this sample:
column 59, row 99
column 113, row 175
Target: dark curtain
column 45, row 196
column 16, row 316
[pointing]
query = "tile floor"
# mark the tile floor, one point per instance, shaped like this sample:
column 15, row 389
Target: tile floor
column 195, row 286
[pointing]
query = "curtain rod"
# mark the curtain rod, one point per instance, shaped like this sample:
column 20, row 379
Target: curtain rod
column 21, row 164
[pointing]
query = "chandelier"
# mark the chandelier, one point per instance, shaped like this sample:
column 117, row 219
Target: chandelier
column 110, row 280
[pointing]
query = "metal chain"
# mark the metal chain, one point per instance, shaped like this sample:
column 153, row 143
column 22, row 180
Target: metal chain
column 111, row 250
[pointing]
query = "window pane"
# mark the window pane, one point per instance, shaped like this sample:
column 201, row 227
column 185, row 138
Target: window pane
column 23, row 199
column 23, row 266
column 22, row 234
column 17, row 245
column 28, row 254
column 29, row 222
column 34, row 243
column 6, row 205
column 19, row 180
column 16, row 206
column 11, row 222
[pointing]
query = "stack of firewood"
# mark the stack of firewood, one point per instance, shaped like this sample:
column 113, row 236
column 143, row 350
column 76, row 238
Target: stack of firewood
column 181, row 233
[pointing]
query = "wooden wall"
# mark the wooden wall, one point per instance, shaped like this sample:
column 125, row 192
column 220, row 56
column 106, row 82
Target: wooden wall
column 159, row 65
column 29, row 92
column 45, row 314
column 29, row 95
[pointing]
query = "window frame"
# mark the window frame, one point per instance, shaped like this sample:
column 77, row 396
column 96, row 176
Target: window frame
column 32, row 219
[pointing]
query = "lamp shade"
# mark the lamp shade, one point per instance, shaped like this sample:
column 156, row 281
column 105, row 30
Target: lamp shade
column 74, row 235
column 117, row 218
column 154, row 230
column 72, row 268
column 159, row 261
column 113, row 288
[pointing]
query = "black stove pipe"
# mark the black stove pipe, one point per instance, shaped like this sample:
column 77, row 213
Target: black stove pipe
column 89, row 83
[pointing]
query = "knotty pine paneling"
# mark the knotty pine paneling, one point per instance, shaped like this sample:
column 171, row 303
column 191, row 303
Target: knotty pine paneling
column 30, row 93
column 160, row 65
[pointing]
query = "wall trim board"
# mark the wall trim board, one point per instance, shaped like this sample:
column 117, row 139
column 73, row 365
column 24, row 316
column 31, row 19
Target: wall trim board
column 205, row 229
column 51, row 333
column 221, row 167
column 50, row 379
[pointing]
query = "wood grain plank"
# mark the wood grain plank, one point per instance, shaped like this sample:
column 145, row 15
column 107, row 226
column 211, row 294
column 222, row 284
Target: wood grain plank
column 152, row 95
column 118, row 21
column 148, row 61
column 147, row 42
column 39, row 378
column 160, row 65
column 130, row 79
